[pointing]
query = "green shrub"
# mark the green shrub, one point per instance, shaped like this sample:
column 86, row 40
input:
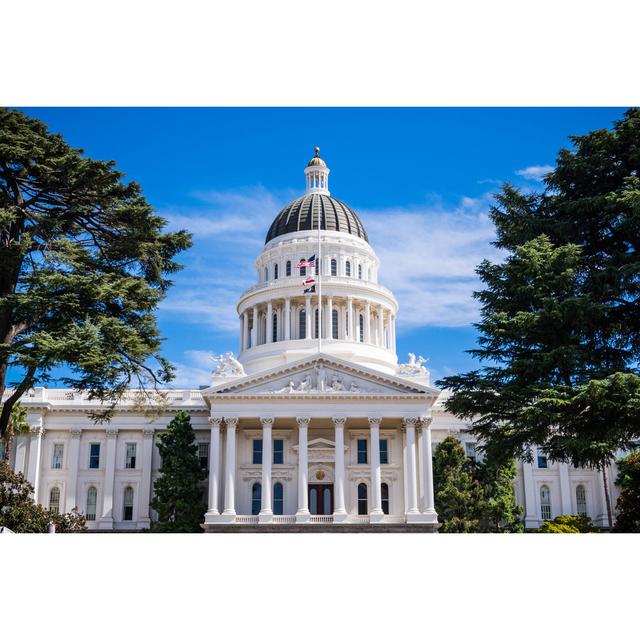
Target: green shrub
column 567, row 524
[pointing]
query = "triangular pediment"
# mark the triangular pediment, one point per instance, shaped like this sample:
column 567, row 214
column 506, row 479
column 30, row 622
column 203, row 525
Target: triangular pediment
column 323, row 376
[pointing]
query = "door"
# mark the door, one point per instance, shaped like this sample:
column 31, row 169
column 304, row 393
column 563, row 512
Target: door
column 321, row 499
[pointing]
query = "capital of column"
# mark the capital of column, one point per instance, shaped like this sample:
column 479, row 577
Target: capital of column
column 338, row 421
column 111, row 433
column 266, row 422
column 374, row 422
column 215, row 422
column 148, row 433
column 37, row 431
column 303, row 421
column 426, row 422
column 410, row 422
column 75, row 433
column 231, row 422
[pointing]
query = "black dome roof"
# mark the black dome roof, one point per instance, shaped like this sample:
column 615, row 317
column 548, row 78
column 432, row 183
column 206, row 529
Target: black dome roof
column 303, row 214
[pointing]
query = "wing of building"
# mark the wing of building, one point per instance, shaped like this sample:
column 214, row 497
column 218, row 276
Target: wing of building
column 314, row 424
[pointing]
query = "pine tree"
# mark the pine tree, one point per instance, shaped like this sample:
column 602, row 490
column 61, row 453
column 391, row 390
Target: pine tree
column 178, row 498
column 628, row 505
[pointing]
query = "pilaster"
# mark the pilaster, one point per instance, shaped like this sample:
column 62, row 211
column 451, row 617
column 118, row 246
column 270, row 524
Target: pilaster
column 106, row 519
column 73, row 460
column 144, row 518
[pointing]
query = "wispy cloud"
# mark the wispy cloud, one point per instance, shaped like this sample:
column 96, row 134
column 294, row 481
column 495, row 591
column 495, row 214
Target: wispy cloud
column 535, row 172
column 193, row 370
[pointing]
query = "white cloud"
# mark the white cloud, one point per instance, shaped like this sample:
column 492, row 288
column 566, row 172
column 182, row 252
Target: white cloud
column 535, row 172
column 194, row 370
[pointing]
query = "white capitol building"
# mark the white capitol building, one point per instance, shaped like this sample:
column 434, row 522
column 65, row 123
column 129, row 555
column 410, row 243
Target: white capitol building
column 314, row 423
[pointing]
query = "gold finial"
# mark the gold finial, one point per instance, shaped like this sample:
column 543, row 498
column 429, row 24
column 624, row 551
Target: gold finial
column 317, row 150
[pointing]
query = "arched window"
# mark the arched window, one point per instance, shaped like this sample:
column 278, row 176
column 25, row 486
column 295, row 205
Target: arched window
column 334, row 324
column 266, row 273
column 288, row 268
column 127, row 510
column 275, row 271
column 256, row 498
column 316, row 323
column 302, row 324
column 274, row 328
column 92, row 500
column 54, row 500
column 361, row 328
column 581, row 500
column 545, row 502
column 303, row 270
column 384, row 492
column 278, row 499
column 347, row 268
column 359, row 272
column 334, row 267
column 363, row 508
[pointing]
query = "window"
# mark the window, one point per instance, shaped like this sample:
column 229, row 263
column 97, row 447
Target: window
column 275, row 271
column 361, row 328
column 303, row 270
column 316, row 323
column 334, row 324
column 130, row 462
column 542, row 461
column 545, row 502
column 334, row 267
column 384, row 451
column 287, row 268
column 54, row 500
column 266, row 273
column 94, row 455
column 581, row 500
column 362, row 451
column 274, row 328
column 257, row 451
column 56, row 461
column 127, row 509
column 359, row 272
column 302, row 324
column 384, row 492
column 278, row 499
column 92, row 500
column 256, row 498
column 470, row 450
column 203, row 455
column 278, row 452
column 363, row 507
column 347, row 268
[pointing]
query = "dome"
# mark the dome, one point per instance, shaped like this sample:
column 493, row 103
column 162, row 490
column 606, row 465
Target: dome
column 317, row 161
column 302, row 215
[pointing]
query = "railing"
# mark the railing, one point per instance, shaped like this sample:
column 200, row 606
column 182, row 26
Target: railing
column 321, row 519
column 246, row 519
column 284, row 519
column 359, row 519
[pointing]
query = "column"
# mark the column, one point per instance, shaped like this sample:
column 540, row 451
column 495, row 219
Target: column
column 144, row 518
column 410, row 468
column 392, row 334
column 380, row 326
column 565, row 489
column 375, row 510
column 73, row 459
column 307, row 318
column 429, row 511
column 531, row 519
column 254, row 331
column 329, row 319
column 266, row 513
column 302, row 514
column 352, row 335
column 21, row 453
column 367, row 322
column 269, row 323
column 241, row 334
column 214, row 468
column 245, row 330
column 35, row 453
column 339, row 511
column 106, row 519
column 230, row 468
column 287, row 318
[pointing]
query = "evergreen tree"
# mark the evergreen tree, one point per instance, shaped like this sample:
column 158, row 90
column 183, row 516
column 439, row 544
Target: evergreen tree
column 85, row 263
column 177, row 497
column 560, row 317
column 17, row 425
column 628, row 505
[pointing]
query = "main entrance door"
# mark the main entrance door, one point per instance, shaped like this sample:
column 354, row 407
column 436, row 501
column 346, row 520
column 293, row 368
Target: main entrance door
column 321, row 499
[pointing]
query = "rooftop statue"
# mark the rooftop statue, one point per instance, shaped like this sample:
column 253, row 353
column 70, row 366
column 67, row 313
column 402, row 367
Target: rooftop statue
column 227, row 366
column 414, row 367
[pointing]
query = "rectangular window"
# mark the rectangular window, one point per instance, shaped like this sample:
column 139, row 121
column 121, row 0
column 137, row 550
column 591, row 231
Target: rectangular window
column 542, row 461
column 257, row 451
column 278, row 452
column 384, row 452
column 58, row 451
column 94, row 455
column 203, row 455
column 130, row 462
column 362, row 451
column 470, row 450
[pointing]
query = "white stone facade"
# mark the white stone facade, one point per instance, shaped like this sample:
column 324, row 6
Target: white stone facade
column 315, row 423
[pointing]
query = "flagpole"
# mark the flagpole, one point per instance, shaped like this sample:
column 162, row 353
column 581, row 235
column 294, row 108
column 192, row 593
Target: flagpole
column 319, row 276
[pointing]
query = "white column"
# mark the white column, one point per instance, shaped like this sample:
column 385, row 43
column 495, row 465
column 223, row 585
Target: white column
column 375, row 512
column 367, row 322
column 565, row 489
column 254, row 331
column 245, row 330
column 287, row 318
column 229, row 512
column 106, row 520
column 307, row 318
column 381, row 326
column 73, row 460
column 269, row 323
column 429, row 511
column 21, row 454
column 302, row 514
column 329, row 320
column 266, row 512
column 410, row 475
column 352, row 335
column 144, row 518
column 531, row 518
column 392, row 333
column 214, row 467
column 35, row 453
column 339, row 511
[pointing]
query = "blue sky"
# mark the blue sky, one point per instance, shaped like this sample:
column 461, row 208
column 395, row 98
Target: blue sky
column 421, row 180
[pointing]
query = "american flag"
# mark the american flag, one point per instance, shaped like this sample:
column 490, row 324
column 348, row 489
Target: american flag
column 311, row 262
